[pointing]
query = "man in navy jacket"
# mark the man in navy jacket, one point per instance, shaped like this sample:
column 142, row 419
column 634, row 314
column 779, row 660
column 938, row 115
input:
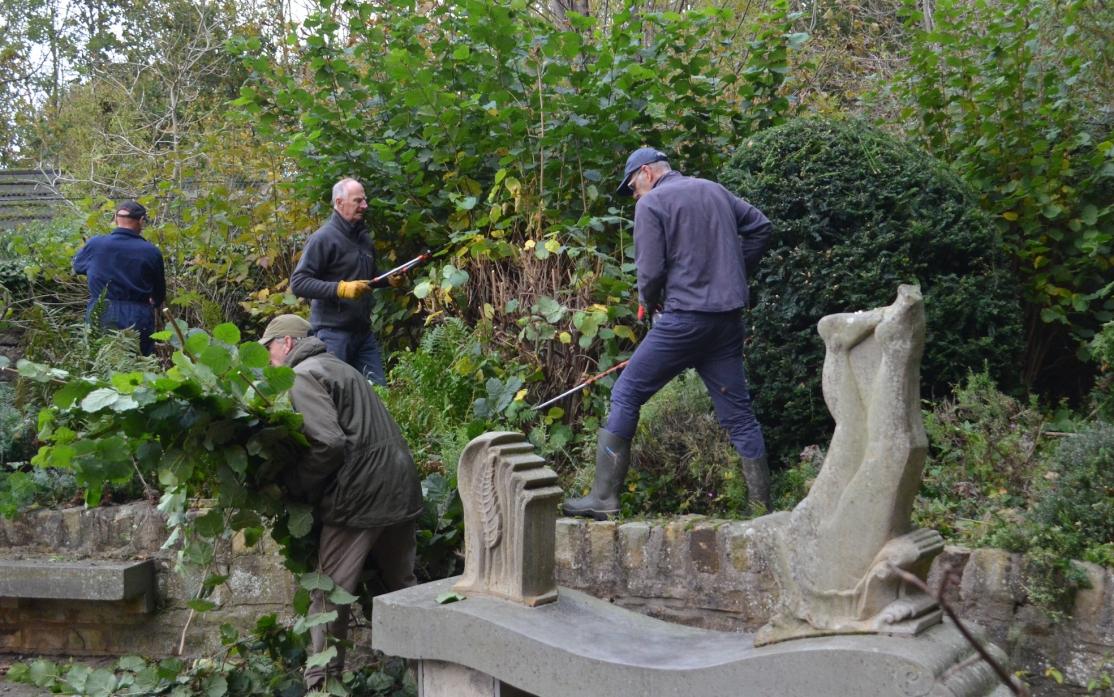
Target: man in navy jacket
column 128, row 271
column 694, row 243
column 335, row 273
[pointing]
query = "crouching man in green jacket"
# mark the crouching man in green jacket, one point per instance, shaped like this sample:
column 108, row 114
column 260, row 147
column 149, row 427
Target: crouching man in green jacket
column 357, row 473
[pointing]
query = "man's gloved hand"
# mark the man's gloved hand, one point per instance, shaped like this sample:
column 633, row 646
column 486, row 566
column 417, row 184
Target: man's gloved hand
column 350, row 290
column 641, row 316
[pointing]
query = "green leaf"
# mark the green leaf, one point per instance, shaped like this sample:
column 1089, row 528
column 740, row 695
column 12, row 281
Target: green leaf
column 448, row 597
column 4, row 361
column 99, row 399
column 228, row 333
column 254, row 355
column 215, row 686
column 196, row 342
column 319, row 660
column 302, row 601
column 101, row 683
column 216, row 358
column 315, row 581
column 299, row 519
column 339, row 596
column 280, row 378
column 201, row 604
column 423, row 289
column 132, row 663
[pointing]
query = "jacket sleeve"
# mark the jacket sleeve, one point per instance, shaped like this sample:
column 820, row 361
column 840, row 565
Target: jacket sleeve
column 649, row 255
column 754, row 229
column 306, row 281
column 321, row 428
column 158, row 283
column 81, row 259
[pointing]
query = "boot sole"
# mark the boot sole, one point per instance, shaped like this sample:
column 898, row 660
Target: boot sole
column 590, row 513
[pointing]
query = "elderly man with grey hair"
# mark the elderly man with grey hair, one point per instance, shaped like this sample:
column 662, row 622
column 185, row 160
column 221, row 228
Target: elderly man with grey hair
column 335, row 273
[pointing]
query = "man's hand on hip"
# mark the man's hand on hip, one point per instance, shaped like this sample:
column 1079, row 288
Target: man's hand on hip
column 350, row 290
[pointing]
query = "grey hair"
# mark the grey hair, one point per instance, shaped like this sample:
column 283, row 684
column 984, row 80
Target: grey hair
column 660, row 167
column 339, row 188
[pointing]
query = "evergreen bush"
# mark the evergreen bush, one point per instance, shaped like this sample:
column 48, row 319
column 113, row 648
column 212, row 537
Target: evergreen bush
column 856, row 213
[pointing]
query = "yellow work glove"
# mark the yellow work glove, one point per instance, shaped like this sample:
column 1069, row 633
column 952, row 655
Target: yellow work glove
column 350, row 290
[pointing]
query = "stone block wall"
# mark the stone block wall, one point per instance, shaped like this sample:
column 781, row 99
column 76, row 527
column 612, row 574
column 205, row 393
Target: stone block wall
column 258, row 584
column 692, row 570
column 715, row 574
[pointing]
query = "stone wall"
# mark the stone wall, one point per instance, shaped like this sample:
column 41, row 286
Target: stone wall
column 691, row 570
column 714, row 574
column 258, row 584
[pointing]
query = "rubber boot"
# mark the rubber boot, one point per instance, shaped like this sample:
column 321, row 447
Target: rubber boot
column 756, row 472
column 612, row 463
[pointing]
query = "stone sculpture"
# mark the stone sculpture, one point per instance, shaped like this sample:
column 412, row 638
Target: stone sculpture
column 510, row 515
column 837, row 550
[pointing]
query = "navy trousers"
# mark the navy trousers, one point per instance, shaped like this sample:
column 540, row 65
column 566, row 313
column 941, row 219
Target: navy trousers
column 358, row 349
column 124, row 314
column 712, row 343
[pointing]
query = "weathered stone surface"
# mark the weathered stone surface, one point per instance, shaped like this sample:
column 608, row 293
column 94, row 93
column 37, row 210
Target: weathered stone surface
column 83, row 580
column 843, row 546
column 586, row 647
column 509, row 498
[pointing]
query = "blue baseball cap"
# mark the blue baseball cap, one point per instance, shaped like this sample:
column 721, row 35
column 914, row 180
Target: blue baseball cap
column 642, row 156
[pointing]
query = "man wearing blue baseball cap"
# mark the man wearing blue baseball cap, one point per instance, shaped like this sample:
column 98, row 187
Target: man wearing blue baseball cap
column 694, row 243
column 128, row 272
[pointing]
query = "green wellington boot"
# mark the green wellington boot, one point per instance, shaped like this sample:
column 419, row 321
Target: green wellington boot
column 756, row 472
column 612, row 463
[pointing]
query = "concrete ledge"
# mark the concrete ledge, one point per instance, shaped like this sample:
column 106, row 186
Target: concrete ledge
column 583, row 646
column 76, row 580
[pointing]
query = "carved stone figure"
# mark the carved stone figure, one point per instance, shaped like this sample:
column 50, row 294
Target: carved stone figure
column 510, row 514
column 838, row 549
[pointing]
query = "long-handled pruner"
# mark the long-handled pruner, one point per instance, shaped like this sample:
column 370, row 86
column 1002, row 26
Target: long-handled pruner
column 581, row 386
column 403, row 268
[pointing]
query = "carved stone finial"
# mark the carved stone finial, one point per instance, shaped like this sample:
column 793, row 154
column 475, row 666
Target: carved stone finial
column 510, row 519
column 838, row 550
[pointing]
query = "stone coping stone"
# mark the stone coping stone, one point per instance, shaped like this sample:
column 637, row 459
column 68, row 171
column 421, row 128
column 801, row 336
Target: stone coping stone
column 587, row 647
column 76, row 580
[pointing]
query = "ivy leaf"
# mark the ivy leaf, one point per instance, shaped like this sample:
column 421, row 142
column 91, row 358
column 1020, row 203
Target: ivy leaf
column 228, row 333
column 301, row 601
column 132, row 663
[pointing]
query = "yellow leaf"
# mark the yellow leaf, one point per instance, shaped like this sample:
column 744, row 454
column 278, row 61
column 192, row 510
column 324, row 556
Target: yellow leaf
column 521, row 394
column 552, row 246
column 625, row 332
column 489, row 311
column 530, row 244
column 565, row 338
column 1010, row 215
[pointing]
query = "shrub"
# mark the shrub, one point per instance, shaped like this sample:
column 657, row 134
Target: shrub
column 985, row 453
column 856, row 213
column 1072, row 518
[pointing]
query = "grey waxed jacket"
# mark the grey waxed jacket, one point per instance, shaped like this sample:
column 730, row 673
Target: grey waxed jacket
column 358, row 471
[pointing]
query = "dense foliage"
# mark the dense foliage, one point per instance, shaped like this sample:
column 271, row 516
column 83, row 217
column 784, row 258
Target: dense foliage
column 1016, row 97
column 481, row 124
column 856, row 213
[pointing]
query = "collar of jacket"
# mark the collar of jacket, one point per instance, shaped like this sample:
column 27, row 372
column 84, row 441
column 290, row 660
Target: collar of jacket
column 127, row 232
column 352, row 230
column 309, row 346
column 666, row 177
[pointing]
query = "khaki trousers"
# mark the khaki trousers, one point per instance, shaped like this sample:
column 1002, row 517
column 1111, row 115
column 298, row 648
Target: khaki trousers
column 341, row 556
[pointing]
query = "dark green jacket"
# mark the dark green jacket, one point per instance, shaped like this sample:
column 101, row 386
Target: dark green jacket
column 357, row 471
